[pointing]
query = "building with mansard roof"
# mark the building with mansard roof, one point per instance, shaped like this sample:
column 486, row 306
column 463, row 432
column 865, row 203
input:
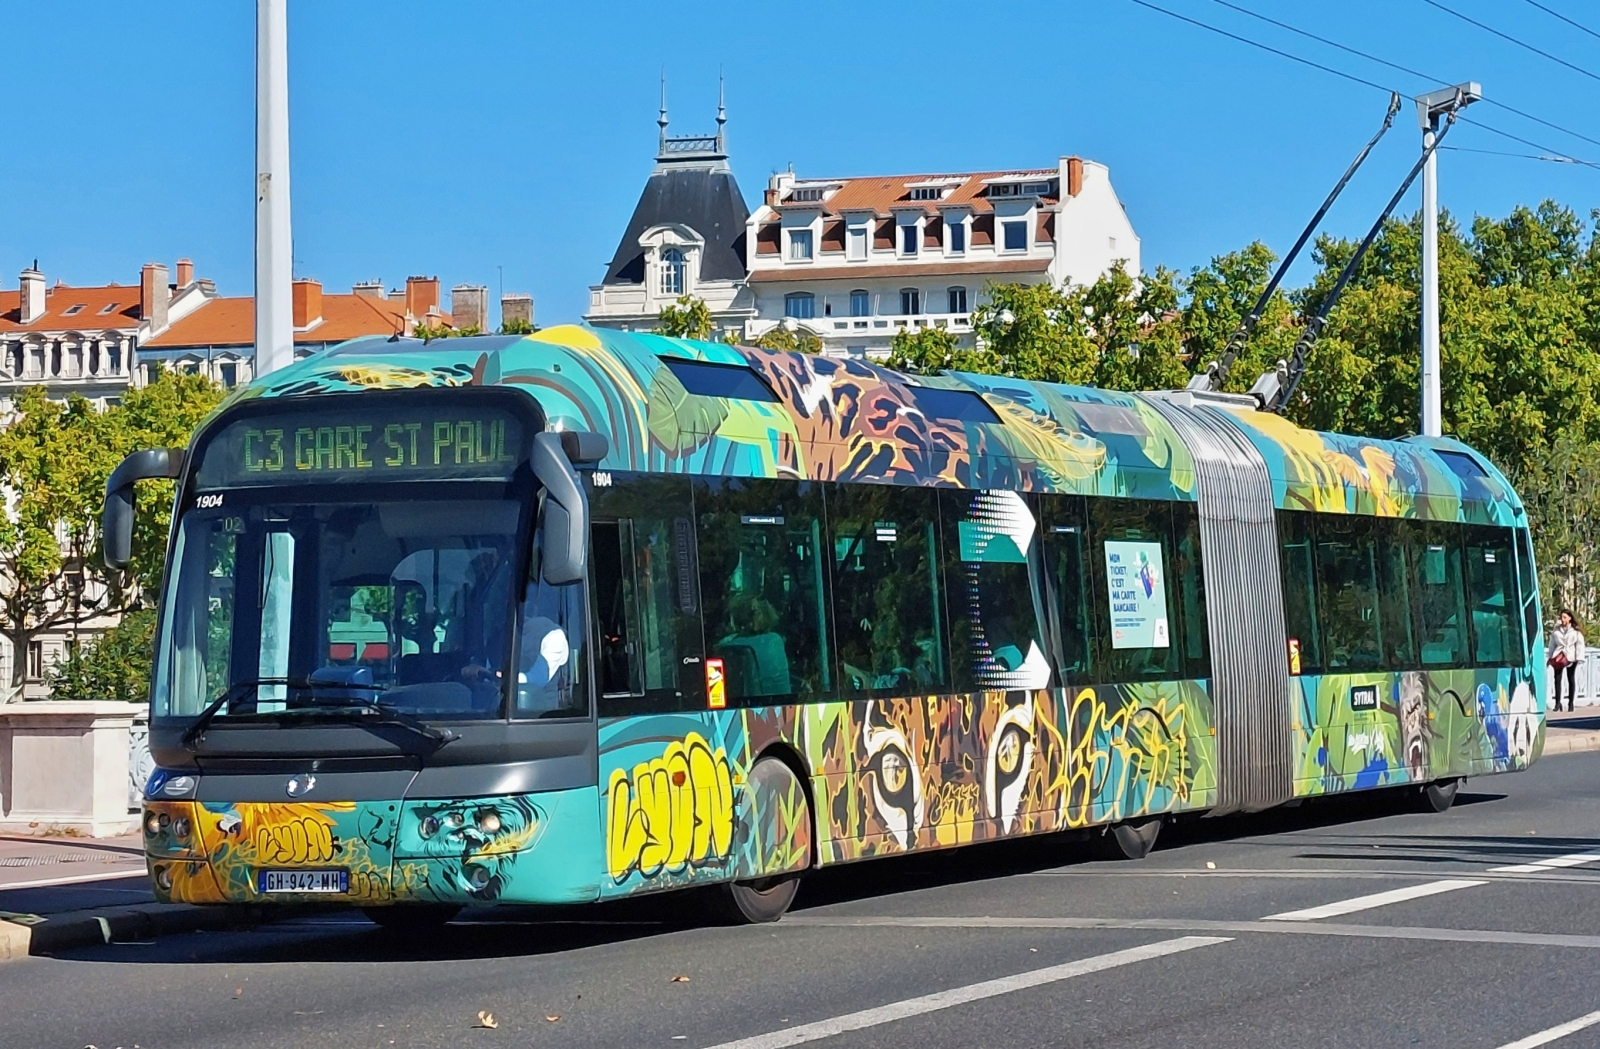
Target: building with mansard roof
column 856, row 260
column 686, row 237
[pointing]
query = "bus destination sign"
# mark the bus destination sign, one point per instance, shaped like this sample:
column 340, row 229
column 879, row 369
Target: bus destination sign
column 351, row 446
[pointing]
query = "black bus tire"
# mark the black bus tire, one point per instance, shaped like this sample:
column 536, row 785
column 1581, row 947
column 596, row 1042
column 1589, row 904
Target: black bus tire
column 1135, row 838
column 412, row 918
column 1440, row 795
column 760, row 900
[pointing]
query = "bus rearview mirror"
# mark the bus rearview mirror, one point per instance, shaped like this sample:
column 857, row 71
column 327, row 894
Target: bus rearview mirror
column 116, row 519
column 564, row 519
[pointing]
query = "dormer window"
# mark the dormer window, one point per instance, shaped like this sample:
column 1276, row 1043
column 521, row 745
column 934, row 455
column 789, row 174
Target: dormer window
column 908, row 239
column 108, row 307
column 672, row 272
column 70, row 310
column 1019, row 189
column 927, row 193
column 799, row 245
column 807, row 194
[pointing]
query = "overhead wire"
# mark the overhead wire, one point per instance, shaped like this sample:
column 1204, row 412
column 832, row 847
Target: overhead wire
column 1507, row 36
column 1564, row 18
column 1503, row 153
column 1397, row 66
column 1347, row 76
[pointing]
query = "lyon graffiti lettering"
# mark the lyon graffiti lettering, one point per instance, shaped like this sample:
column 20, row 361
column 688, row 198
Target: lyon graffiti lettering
column 672, row 813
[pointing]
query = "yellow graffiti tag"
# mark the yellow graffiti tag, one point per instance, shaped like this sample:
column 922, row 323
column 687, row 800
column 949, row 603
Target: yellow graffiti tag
column 303, row 840
column 1142, row 742
column 673, row 812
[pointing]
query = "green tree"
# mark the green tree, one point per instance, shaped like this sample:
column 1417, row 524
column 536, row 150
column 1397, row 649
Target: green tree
column 115, row 665
column 689, row 319
column 517, row 326
column 54, row 461
column 783, row 340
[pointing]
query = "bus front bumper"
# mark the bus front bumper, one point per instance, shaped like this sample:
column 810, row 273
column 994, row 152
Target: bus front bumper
column 523, row 849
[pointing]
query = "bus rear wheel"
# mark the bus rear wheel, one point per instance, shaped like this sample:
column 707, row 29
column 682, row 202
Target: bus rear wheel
column 1135, row 838
column 1439, row 795
column 414, row 918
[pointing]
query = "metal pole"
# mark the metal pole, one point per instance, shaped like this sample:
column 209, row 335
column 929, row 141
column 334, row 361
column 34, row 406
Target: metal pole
column 1431, row 413
column 274, row 244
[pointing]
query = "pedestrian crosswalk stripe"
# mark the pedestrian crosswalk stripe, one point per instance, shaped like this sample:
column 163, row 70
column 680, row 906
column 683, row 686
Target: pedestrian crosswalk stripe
column 1377, row 899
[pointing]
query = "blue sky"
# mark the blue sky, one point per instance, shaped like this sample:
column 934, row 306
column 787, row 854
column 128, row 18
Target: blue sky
column 454, row 139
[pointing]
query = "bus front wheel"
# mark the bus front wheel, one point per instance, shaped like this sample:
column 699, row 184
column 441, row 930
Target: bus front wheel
column 759, row 901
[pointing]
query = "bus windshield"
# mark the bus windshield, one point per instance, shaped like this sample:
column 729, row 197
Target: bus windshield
column 294, row 606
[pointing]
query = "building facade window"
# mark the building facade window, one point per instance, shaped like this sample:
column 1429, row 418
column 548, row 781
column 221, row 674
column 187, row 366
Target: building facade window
column 801, row 305
column 799, row 245
column 1015, row 234
column 229, row 374
column 958, row 236
column 856, row 243
column 860, row 303
column 35, row 660
column 910, row 301
column 958, row 300
column 908, row 240
column 672, row 272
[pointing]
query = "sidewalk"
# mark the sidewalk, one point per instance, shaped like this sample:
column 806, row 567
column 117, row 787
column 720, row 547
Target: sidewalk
column 1569, row 732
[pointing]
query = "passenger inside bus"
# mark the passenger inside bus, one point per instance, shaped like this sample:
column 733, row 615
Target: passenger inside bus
column 756, row 657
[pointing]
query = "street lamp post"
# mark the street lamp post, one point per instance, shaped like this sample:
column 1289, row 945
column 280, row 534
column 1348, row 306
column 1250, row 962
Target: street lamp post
column 1431, row 108
column 274, row 244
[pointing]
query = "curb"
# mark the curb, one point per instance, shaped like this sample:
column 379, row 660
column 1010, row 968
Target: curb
column 74, row 929
column 1571, row 742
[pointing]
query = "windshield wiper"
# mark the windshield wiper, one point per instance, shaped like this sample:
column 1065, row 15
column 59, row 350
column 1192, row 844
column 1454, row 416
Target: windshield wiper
column 386, row 713
column 237, row 690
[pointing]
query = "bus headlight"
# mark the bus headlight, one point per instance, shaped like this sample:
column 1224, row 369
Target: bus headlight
column 152, row 823
column 181, row 827
column 164, row 877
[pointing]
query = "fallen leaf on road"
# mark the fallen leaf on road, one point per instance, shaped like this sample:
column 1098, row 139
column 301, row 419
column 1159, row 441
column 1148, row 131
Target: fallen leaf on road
column 553, row 1017
column 486, row 1019
column 1210, row 866
column 237, row 991
column 680, row 979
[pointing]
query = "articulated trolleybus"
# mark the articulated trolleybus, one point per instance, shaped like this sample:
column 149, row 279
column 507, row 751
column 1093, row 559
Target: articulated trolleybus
column 585, row 614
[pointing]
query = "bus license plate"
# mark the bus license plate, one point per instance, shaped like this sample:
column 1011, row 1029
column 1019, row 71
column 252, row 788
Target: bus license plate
column 333, row 881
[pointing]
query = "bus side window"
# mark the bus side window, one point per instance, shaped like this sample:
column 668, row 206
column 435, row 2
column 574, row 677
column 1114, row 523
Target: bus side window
column 1066, row 568
column 1299, row 591
column 888, row 607
column 992, row 574
column 1528, row 587
column 1347, row 597
column 1132, row 566
column 1394, row 593
column 763, row 586
column 1491, row 595
column 1187, row 570
column 1442, row 620
column 644, row 596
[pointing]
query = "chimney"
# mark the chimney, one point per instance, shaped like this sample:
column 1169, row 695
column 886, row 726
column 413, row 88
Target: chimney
column 516, row 310
column 185, row 274
column 154, row 295
column 469, row 307
column 32, row 293
column 422, row 295
column 1074, row 176
column 372, row 289
column 307, row 303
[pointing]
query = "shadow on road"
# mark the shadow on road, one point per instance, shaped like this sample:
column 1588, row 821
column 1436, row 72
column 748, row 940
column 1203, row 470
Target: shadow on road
column 344, row 935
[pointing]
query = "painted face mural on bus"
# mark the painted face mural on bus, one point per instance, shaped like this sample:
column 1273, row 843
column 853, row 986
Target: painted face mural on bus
column 475, row 843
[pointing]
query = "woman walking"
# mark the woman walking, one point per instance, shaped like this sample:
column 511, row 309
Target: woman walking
column 1566, row 652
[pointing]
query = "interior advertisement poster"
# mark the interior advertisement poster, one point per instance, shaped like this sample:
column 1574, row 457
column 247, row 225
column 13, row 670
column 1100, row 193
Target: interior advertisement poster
column 1136, row 580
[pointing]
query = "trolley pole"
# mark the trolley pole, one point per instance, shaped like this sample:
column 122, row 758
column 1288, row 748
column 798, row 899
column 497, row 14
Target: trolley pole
column 1431, row 107
column 274, row 244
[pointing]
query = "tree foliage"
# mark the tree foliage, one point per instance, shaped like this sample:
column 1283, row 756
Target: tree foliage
column 54, row 461
column 689, row 319
column 115, row 665
column 786, row 341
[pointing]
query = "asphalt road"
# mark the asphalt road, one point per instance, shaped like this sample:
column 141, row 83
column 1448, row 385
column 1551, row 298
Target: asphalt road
column 1251, row 931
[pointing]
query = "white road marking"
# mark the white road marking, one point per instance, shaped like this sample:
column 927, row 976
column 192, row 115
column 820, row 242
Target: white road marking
column 1558, row 1031
column 1377, row 899
column 76, row 879
column 1537, row 866
column 928, row 1003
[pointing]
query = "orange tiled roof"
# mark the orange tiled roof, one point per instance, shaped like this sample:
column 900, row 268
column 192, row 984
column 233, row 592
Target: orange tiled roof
column 232, row 322
column 880, row 193
column 112, row 306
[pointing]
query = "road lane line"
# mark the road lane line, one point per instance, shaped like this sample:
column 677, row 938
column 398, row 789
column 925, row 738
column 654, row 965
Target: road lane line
column 1537, row 866
column 1211, row 925
column 76, row 879
column 1558, row 1031
column 928, row 1003
column 1377, row 899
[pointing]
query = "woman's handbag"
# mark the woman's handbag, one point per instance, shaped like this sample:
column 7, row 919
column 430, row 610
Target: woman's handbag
column 1559, row 660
